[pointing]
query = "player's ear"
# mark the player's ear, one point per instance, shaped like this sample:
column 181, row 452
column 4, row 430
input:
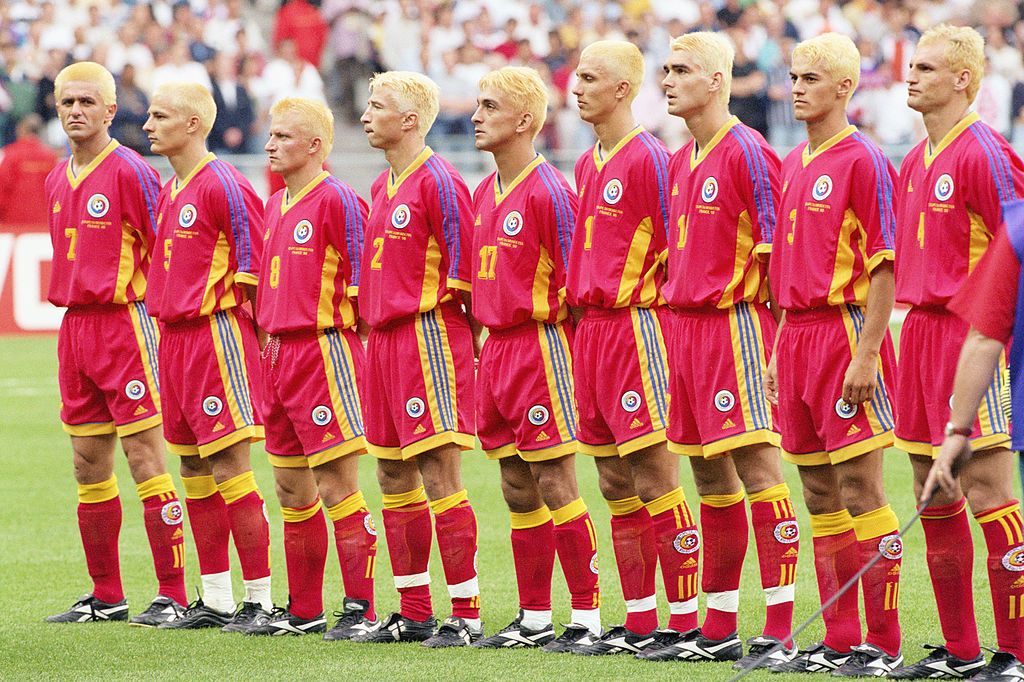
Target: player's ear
column 410, row 121
column 716, row 82
column 525, row 122
column 622, row 89
column 963, row 80
column 844, row 87
column 316, row 143
column 111, row 112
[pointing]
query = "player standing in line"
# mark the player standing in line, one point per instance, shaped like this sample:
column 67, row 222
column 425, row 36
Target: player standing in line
column 954, row 182
column 524, row 412
column 619, row 366
column 719, row 333
column 311, row 369
column 831, row 272
column 414, row 281
column 102, row 223
column 210, row 231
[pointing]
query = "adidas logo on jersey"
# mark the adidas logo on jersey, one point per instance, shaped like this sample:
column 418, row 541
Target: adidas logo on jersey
column 141, row 409
column 56, row 207
column 177, row 534
column 327, row 436
column 895, row 570
column 675, row 190
column 419, row 429
column 853, row 430
column 728, row 424
column 542, row 436
column 1018, row 583
column 218, row 427
column 636, row 423
column 792, row 551
column 690, row 563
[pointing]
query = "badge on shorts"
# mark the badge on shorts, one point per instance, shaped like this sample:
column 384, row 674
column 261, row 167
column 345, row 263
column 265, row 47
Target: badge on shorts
column 400, row 217
column 303, row 232
column 787, row 532
column 944, row 187
column 321, row 415
column 687, row 542
column 709, row 190
column 593, row 564
column 414, row 407
column 513, row 224
column 891, row 546
column 212, row 405
column 98, row 205
column 630, row 401
column 187, row 216
column 822, row 188
column 612, row 191
column 724, row 400
column 368, row 524
column 171, row 513
column 845, row 410
column 1014, row 559
column 135, row 389
column 538, row 415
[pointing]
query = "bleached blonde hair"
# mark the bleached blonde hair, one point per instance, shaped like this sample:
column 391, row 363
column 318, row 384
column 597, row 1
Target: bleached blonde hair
column 836, row 53
column 965, row 50
column 525, row 89
column 413, row 92
column 191, row 99
column 87, row 72
column 622, row 59
column 713, row 53
column 315, row 119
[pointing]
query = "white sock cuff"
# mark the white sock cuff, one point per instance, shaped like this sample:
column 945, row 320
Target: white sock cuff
column 728, row 602
column 645, row 604
column 588, row 618
column 680, row 608
column 217, row 591
column 535, row 620
column 465, row 590
column 257, row 591
column 414, row 580
column 779, row 595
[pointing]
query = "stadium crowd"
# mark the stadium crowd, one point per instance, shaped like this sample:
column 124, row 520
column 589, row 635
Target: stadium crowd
column 253, row 55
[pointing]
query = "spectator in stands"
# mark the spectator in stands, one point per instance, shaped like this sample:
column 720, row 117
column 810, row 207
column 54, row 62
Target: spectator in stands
column 300, row 22
column 235, row 115
column 23, row 169
column 352, row 55
column 288, row 75
column 132, row 108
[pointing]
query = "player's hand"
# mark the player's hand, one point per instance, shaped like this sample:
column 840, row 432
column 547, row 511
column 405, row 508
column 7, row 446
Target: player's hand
column 955, row 452
column 861, row 377
column 771, row 382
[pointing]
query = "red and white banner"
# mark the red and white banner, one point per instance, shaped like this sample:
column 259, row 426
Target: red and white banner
column 25, row 259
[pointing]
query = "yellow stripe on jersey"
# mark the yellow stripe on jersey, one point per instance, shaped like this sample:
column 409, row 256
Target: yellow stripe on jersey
column 127, row 273
column 287, row 202
column 555, row 374
column 981, row 235
column 632, row 270
column 696, row 156
column 219, row 273
column 76, row 179
column 230, row 353
column 337, row 403
column 178, row 185
column 147, row 337
column 748, row 277
column 955, row 131
column 500, row 193
column 542, row 285
column 842, row 270
column 394, row 183
column 325, row 305
column 602, row 157
column 809, row 156
column 431, row 275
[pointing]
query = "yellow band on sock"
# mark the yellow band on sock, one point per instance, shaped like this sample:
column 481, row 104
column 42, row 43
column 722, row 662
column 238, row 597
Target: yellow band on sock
column 992, row 514
column 158, row 485
column 403, row 499
column 672, row 498
column 446, row 503
column 92, row 493
column 573, row 510
column 833, row 523
column 876, row 523
column 237, row 487
column 960, row 507
column 300, row 514
column 347, row 507
column 625, row 506
column 722, row 501
column 524, row 520
column 773, row 494
column 199, row 487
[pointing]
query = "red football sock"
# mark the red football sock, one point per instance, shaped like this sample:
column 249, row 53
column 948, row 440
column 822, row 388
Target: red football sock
column 455, row 524
column 409, row 535
column 636, row 557
column 1004, row 535
column 950, row 553
column 836, row 560
column 778, row 546
column 723, row 525
column 881, row 584
column 99, row 523
column 162, row 514
column 208, row 519
column 533, row 553
column 678, row 545
column 576, row 544
column 249, row 528
column 356, row 539
column 305, row 555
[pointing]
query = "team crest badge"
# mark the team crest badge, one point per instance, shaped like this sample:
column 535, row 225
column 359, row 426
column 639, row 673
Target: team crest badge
column 303, row 232
column 630, row 401
column 187, row 216
column 891, row 547
column 709, row 191
column 171, row 513
column 724, row 400
column 513, row 224
column 687, row 542
column 98, row 205
column 787, row 532
column 400, row 217
column 593, row 564
column 612, row 191
column 822, row 188
column 1014, row 559
column 845, row 410
column 322, row 415
column 212, row 405
column 538, row 415
column 135, row 389
column 944, row 187
column 414, row 407
column 368, row 524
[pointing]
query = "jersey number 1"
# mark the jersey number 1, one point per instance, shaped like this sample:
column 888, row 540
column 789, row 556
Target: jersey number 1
column 488, row 261
column 72, row 234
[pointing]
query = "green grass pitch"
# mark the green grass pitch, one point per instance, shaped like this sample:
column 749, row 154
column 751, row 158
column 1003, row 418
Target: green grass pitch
column 42, row 571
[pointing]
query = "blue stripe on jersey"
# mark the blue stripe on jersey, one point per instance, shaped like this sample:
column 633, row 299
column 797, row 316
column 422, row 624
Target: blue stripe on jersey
column 880, row 402
column 231, row 210
column 353, row 226
column 449, row 210
column 660, row 158
column 998, row 165
column 758, row 167
column 562, row 384
column 750, row 352
column 883, row 190
column 150, row 189
column 1002, row 161
column 655, row 362
column 145, row 322
column 435, row 353
column 236, row 374
column 345, row 385
column 564, row 218
column 239, row 216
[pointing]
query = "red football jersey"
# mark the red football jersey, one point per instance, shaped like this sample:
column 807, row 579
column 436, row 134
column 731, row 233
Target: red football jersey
column 418, row 239
column 722, row 214
column 102, row 225
column 950, row 208
column 211, row 236
column 521, row 239
column 836, row 222
column 311, row 256
column 623, row 210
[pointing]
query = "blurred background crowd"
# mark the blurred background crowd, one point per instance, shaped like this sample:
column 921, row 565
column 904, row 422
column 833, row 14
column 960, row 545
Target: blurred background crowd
column 253, row 52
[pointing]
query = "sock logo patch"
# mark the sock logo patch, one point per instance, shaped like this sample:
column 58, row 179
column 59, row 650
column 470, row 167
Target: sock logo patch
column 171, row 513
column 687, row 542
column 593, row 564
column 891, row 547
column 787, row 532
column 368, row 524
column 1014, row 559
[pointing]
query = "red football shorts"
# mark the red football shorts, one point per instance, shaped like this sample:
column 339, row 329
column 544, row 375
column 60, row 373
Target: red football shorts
column 718, row 360
column 621, row 381
column 524, row 393
column 418, row 393
column 311, row 409
column 930, row 344
column 210, row 373
column 107, row 370
column 818, row 427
